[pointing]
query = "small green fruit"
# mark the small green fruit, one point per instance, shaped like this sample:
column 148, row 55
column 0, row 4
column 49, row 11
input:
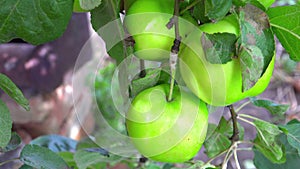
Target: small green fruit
column 217, row 84
column 146, row 21
column 167, row 131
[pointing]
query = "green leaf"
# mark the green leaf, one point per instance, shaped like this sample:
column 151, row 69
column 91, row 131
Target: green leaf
column 106, row 12
column 13, row 91
column 240, row 2
column 152, row 166
column 105, row 21
column 89, row 4
column 40, row 157
column 86, row 147
column 286, row 26
column 217, row 9
column 140, row 84
column 199, row 12
column 55, row 143
column 273, row 108
column 210, row 130
column 105, row 100
column 164, row 76
column 118, row 52
column 293, row 135
column 252, row 64
column 219, row 47
column 259, row 4
column 264, row 3
column 69, row 159
column 35, row 21
column 266, row 141
column 5, row 125
column 256, row 44
column 85, row 159
column 294, row 121
column 98, row 150
column 218, row 140
column 168, row 166
column 255, row 30
column 85, row 143
column 15, row 142
column 24, row 166
column 200, row 164
column 292, row 157
column 216, row 144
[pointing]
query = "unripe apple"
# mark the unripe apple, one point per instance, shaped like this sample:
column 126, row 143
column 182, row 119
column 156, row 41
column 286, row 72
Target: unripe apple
column 167, row 131
column 146, row 21
column 217, row 84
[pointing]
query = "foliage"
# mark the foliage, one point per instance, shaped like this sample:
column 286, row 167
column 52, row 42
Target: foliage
column 5, row 120
column 286, row 32
column 35, row 21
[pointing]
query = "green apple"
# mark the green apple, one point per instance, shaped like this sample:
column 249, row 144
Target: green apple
column 217, row 84
column 167, row 131
column 146, row 21
column 77, row 7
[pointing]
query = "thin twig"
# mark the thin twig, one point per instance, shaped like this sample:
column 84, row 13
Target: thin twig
column 242, row 106
column 176, row 14
column 235, row 134
column 175, row 48
column 228, row 156
column 171, row 86
column 250, row 117
column 257, row 129
column 142, row 69
column 245, row 149
column 236, row 159
column 122, row 6
column 244, row 142
column 229, row 150
column 247, row 121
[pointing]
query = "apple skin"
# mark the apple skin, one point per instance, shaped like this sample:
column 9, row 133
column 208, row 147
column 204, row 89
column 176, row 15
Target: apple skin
column 77, row 7
column 167, row 131
column 217, row 84
column 146, row 21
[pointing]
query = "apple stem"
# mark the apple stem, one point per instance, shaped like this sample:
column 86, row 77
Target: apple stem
column 235, row 134
column 173, row 73
column 142, row 69
column 175, row 47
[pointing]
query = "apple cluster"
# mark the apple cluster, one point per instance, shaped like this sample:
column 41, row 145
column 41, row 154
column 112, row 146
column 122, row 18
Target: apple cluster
column 174, row 131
